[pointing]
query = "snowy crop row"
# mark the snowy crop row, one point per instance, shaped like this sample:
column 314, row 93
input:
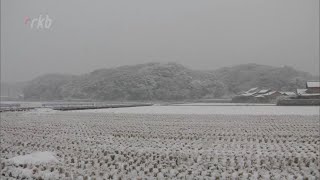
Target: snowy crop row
column 127, row 146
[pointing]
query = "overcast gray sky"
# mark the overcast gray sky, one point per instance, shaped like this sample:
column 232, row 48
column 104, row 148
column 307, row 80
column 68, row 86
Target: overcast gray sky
column 204, row 34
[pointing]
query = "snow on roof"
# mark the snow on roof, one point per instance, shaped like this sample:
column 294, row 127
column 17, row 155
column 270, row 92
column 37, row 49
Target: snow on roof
column 289, row 93
column 301, row 91
column 263, row 91
column 247, row 94
column 252, row 90
column 269, row 93
column 311, row 84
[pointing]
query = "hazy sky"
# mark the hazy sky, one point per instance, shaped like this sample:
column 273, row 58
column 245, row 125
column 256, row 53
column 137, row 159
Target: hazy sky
column 201, row 34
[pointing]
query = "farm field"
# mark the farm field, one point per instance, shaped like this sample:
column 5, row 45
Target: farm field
column 214, row 109
column 119, row 144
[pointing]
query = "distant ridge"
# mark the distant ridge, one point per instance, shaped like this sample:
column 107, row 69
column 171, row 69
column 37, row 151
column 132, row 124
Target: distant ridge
column 163, row 81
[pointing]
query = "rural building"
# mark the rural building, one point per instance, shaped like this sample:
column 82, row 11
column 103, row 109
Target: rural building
column 305, row 97
column 252, row 90
column 312, row 91
column 267, row 96
column 313, row 87
column 272, row 96
column 256, row 95
column 263, row 91
column 289, row 93
column 301, row 92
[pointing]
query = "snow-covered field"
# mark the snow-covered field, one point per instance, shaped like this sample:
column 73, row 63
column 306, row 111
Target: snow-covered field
column 151, row 143
column 209, row 108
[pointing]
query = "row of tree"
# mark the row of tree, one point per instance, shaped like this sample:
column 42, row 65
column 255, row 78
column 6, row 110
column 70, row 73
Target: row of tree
column 155, row 81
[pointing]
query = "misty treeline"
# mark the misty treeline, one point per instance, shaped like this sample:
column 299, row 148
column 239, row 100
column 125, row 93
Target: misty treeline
column 156, row 81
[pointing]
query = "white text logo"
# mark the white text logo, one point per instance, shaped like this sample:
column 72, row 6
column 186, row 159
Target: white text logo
column 41, row 22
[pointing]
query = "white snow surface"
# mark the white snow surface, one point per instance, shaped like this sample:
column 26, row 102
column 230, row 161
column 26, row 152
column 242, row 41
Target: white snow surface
column 313, row 84
column 201, row 109
column 41, row 111
column 35, row 158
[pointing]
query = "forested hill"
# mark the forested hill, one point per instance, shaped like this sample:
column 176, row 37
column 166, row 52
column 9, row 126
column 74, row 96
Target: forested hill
column 156, row 81
column 243, row 77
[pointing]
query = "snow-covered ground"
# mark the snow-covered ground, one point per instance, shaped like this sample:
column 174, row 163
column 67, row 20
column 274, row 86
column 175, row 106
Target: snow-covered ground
column 34, row 158
column 222, row 104
column 41, row 111
column 159, row 146
column 213, row 109
column 23, row 103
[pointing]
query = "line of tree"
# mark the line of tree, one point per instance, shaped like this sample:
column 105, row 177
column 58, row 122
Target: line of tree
column 156, row 81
